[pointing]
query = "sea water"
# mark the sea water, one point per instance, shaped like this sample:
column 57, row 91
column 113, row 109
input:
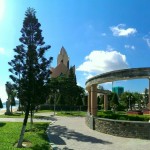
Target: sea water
column 4, row 106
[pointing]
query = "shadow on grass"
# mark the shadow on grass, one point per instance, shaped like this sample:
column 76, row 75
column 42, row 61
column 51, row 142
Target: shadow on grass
column 56, row 132
column 2, row 124
column 13, row 115
column 51, row 118
column 41, row 147
column 41, row 126
column 40, row 129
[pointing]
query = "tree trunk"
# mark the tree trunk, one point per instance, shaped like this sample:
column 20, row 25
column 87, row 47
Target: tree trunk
column 31, row 120
column 19, row 108
column 23, row 126
column 11, row 108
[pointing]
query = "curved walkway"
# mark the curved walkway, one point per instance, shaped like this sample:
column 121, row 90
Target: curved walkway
column 71, row 133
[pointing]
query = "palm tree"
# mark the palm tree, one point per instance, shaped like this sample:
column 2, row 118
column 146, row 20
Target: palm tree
column 11, row 95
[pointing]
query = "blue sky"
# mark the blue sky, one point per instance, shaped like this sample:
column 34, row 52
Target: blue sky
column 98, row 35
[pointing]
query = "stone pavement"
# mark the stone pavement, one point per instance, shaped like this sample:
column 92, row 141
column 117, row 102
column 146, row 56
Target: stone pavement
column 71, row 133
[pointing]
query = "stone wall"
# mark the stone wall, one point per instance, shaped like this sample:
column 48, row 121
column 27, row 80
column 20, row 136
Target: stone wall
column 131, row 129
column 90, row 122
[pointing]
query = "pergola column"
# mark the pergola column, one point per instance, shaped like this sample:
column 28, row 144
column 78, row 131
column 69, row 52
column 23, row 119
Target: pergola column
column 94, row 100
column 89, row 101
column 105, row 102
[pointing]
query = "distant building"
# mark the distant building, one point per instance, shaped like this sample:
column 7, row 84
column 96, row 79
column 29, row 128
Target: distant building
column 62, row 67
column 118, row 90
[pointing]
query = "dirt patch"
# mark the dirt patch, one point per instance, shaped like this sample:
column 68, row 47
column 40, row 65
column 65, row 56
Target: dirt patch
column 25, row 144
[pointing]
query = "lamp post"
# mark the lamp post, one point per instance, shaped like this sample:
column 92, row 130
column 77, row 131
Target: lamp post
column 129, row 103
column 129, row 99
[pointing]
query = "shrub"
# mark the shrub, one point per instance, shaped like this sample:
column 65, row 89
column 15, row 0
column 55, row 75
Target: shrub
column 117, row 116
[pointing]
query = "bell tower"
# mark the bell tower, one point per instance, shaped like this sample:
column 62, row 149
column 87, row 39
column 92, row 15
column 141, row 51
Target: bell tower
column 63, row 58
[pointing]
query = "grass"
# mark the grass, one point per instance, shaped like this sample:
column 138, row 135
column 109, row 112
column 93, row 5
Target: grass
column 9, row 135
column 14, row 115
column 65, row 113
column 72, row 113
column 44, row 111
column 58, row 113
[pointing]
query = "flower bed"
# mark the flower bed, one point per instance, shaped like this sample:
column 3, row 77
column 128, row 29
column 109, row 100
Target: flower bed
column 135, row 112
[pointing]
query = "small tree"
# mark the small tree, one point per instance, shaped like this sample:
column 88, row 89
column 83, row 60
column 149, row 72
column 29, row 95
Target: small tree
column 30, row 67
column 1, row 104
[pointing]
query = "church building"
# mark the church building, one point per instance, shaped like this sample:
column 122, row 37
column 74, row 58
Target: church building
column 62, row 67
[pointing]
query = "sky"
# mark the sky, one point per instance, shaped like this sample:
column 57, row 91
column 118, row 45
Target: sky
column 98, row 35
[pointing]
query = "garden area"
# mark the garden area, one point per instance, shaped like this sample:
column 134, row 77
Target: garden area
column 122, row 115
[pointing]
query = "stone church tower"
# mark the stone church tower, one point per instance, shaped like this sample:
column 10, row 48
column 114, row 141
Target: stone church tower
column 63, row 58
column 62, row 67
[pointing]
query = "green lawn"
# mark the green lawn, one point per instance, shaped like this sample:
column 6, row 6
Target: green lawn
column 71, row 113
column 14, row 115
column 65, row 113
column 9, row 135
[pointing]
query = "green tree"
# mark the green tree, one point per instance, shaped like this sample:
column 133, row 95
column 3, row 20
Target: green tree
column 71, row 93
column 101, row 102
column 127, row 100
column 138, row 98
column 146, row 97
column 17, row 64
column 72, row 87
column 114, row 102
column 30, row 67
column 1, row 104
column 98, row 100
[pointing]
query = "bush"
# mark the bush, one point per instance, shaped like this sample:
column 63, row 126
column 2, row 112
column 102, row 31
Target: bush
column 117, row 116
column 63, row 107
column 120, row 108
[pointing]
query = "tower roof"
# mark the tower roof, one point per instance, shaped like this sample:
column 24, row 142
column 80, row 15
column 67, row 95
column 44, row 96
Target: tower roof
column 63, row 51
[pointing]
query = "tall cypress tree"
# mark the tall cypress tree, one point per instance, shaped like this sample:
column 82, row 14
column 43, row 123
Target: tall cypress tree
column 30, row 67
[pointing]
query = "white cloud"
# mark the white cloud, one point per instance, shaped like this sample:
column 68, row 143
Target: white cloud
column 120, row 30
column 147, row 39
column 109, row 48
column 103, row 34
column 78, row 84
column 88, row 75
column 130, row 47
column 2, row 51
column 99, row 61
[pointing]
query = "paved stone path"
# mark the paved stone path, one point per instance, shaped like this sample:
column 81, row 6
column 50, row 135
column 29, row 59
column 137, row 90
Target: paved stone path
column 71, row 133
